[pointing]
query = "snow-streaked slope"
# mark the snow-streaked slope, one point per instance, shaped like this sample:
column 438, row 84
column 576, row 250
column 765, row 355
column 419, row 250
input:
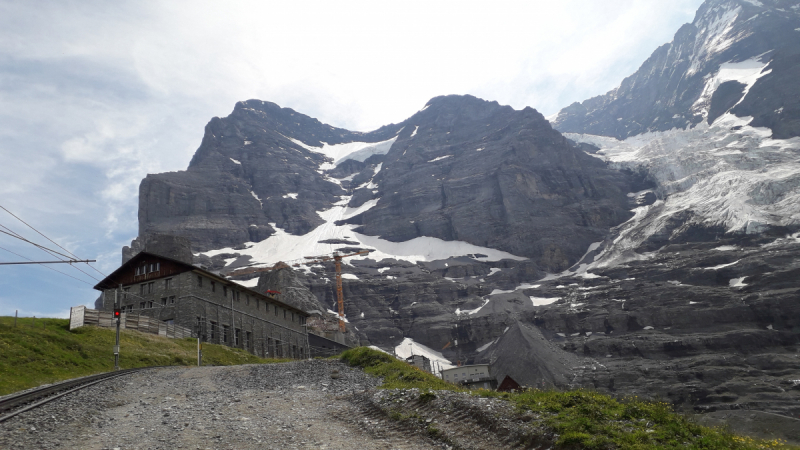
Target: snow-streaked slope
column 285, row 247
column 727, row 174
column 358, row 151
column 409, row 346
column 745, row 72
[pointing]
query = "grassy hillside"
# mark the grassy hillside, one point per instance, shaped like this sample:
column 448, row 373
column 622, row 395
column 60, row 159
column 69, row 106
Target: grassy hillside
column 582, row 419
column 41, row 351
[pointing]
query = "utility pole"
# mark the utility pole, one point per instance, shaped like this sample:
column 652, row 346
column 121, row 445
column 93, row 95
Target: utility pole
column 117, row 317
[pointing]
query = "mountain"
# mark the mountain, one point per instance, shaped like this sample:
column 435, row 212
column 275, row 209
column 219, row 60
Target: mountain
column 462, row 169
column 732, row 48
column 644, row 242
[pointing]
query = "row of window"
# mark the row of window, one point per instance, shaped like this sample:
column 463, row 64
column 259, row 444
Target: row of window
column 144, row 269
column 214, row 330
column 236, row 296
column 165, row 301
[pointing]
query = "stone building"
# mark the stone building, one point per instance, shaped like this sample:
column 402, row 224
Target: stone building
column 220, row 310
column 473, row 376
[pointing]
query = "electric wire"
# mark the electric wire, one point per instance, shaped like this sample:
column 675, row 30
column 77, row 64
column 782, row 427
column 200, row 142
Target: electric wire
column 54, row 270
column 51, row 252
column 54, row 242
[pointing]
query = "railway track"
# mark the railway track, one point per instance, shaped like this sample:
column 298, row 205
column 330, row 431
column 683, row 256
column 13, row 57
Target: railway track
column 15, row 404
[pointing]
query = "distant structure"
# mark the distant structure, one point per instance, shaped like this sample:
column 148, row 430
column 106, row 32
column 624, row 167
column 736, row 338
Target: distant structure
column 508, row 384
column 420, row 362
column 218, row 310
column 473, row 376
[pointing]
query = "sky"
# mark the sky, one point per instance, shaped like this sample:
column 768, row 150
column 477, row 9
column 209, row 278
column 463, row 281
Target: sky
column 94, row 95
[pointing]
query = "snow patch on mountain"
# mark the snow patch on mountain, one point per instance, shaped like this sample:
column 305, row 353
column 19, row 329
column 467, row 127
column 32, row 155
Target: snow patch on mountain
column 440, row 158
column 745, row 72
column 285, row 247
column 472, row 311
column 358, row 151
column 255, row 196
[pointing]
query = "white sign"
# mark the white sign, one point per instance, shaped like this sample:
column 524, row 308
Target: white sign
column 76, row 317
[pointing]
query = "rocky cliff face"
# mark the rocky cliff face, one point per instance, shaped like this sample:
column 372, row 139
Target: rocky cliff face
column 670, row 90
column 252, row 172
column 464, row 169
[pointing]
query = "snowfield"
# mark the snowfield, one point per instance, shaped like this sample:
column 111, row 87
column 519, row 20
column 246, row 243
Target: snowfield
column 727, row 173
column 358, row 151
column 286, row 247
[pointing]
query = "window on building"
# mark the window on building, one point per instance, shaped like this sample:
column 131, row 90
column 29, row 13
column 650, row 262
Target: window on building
column 141, row 305
column 248, row 340
column 236, row 333
column 213, row 332
column 163, row 301
column 292, row 316
column 150, row 305
column 284, row 313
column 225, row 333
column 237, row 295
column 137, row 272
column 246, row 299
column 171, row 299
column 168, row 283
column 276, row 310
column 125, row 292
column 213, row 287
column 199, row 281
column 158, row 267
column 150, row 287
column 142, row 288
column 170, row 321
column 198, row 325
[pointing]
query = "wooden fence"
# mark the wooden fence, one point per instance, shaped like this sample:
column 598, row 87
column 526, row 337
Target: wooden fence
column 80, row 316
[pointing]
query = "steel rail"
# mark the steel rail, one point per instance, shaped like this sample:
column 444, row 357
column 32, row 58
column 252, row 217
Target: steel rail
column 37, row 397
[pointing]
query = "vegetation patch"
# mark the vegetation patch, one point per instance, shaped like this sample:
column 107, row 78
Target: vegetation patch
column 580, row 418
column 396, row 374
column 41, row 351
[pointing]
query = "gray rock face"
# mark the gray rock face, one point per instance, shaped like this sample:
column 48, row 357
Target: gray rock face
column 292, row 290
column 661, row 95
column 170, row 246
column 252, row 169
column 470, row 170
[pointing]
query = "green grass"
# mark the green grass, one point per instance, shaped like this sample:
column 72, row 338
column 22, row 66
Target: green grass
column 41, row 351
column 582, row 419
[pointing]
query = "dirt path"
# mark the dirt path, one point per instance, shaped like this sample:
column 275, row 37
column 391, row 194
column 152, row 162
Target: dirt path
column 281, row 406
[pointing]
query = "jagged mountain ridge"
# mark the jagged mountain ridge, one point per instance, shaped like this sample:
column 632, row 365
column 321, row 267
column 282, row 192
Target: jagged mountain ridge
column 667, row 90
column 246, row 175
column 461, row 169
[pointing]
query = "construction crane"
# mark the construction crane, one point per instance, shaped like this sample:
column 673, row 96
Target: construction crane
column 337, row 258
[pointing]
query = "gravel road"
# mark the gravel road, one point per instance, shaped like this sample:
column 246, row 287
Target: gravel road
column 293, row 405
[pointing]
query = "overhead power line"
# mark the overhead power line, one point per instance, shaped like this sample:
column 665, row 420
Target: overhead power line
column 48, row 267
column 69, row 256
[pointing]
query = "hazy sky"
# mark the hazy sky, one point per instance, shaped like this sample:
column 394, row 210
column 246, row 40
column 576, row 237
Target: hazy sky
column 95, row 95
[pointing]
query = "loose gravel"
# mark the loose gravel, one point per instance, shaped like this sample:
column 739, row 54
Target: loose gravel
column 297, row 405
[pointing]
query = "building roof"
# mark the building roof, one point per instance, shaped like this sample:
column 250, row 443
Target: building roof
column 110, row 282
